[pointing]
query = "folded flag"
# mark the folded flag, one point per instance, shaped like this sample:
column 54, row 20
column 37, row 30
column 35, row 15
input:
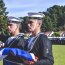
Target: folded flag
column 18, row 52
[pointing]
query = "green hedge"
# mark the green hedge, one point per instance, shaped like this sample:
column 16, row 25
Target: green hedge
column 56, row 34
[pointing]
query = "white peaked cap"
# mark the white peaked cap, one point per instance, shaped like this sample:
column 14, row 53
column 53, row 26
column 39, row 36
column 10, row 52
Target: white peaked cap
column 36, row 15
column 14, row 19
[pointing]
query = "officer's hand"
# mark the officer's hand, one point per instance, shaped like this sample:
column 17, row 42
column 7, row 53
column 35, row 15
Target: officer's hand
column 29, row 62
column 1, row 45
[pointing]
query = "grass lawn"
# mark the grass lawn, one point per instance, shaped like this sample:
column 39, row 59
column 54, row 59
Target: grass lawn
column 58, row 53
column 1, row 63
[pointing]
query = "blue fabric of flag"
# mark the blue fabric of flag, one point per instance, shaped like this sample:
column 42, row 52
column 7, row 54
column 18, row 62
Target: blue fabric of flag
column 17, row 52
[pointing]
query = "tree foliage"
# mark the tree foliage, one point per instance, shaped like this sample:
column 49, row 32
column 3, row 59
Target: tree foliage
column 3, row 17
column 55, row 18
